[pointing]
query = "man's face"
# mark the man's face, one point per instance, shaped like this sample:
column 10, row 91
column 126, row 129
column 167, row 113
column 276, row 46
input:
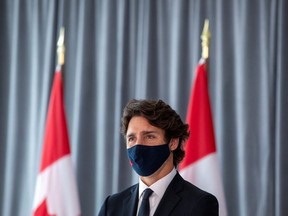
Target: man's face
column 141, row 132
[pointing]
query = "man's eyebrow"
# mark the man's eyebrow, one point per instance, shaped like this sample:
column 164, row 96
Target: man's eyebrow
column 130, row 134
column 149, row 132
column 143, row 133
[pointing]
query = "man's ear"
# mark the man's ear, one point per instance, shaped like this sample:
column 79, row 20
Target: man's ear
column 174, row 142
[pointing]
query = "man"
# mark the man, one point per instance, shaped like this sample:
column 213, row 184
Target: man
column 155, row 135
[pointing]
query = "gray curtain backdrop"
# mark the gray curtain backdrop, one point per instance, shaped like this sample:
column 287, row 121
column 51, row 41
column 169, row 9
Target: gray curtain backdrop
column 118, row 50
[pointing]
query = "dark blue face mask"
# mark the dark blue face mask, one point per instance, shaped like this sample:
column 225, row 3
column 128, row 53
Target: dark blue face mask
column 146, row 160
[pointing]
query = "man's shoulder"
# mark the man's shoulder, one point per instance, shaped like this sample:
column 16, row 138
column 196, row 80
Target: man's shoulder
column 114, row 204
column 190, row 189
column 194, row 200
column 124, row 193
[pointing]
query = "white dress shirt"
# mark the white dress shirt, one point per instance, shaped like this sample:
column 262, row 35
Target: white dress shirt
column 159, row 188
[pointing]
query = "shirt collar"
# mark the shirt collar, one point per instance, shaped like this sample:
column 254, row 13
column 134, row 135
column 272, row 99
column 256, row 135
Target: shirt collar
column 160, row 186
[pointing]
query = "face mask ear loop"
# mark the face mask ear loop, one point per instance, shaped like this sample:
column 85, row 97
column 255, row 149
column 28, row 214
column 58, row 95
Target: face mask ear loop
column 169, row 145
column 178, row 146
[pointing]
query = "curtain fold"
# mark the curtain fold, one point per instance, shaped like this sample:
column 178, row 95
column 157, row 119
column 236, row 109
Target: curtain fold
column 118, row 50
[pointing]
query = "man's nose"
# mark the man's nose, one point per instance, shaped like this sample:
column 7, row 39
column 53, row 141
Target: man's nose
column 139, row 140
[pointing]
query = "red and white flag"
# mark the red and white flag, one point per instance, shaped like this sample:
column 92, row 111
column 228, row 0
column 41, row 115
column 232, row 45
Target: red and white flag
column 200, row 165
column 56, row 191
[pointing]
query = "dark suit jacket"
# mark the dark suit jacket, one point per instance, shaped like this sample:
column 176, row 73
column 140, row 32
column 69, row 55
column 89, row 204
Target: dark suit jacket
column 180, row 198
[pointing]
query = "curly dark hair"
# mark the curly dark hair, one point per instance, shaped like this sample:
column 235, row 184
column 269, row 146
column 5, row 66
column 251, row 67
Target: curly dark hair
column 161, row 115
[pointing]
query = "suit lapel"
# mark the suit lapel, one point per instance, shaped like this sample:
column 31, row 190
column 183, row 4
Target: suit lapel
column 130, row 203
column 170, row 198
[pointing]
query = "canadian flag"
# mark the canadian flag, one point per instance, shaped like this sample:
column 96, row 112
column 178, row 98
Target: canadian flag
column 56, row 191
column 200, row 165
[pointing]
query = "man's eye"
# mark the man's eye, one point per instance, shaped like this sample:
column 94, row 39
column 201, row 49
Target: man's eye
column 130, row 139
column 150, row 137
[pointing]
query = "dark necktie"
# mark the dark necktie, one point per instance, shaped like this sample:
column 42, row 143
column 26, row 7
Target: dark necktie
column 145, row 208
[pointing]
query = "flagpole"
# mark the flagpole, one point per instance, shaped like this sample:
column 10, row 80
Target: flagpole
column 61, row 48
column 205, row 37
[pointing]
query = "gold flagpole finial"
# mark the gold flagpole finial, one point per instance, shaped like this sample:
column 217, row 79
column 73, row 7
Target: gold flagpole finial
column 61, row 47
column 205, row 37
